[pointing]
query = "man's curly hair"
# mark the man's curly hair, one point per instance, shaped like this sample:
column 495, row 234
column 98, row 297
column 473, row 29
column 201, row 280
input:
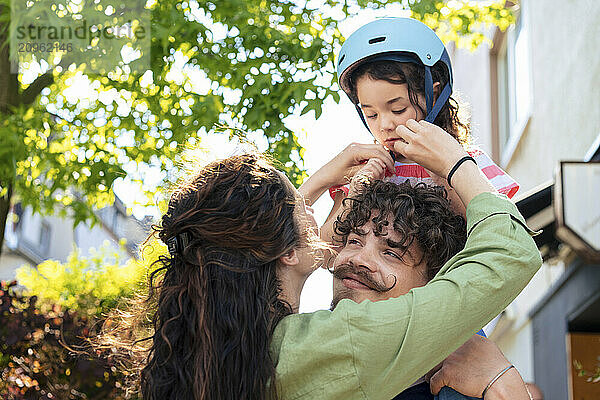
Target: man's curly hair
column 421, row 214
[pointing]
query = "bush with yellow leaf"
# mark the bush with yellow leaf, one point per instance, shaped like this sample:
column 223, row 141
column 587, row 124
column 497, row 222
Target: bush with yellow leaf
column 88, row 285
column 46, row 318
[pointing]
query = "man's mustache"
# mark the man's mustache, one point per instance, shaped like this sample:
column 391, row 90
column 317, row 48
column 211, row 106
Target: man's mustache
column 345, row 270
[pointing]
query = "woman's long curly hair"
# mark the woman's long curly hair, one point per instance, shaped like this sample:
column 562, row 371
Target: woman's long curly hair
column 413, row 75
column 215, row 303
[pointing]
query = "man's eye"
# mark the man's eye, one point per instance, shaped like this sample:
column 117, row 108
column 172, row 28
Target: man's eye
column 354, row 241
column 399, row 111
column 393, row 254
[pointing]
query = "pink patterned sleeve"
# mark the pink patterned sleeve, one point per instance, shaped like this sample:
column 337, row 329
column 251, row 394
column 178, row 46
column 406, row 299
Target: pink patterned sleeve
column 503, row 182
column 339, row 188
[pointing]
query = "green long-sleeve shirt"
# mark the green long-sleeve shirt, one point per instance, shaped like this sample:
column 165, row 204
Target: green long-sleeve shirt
column 374, row 350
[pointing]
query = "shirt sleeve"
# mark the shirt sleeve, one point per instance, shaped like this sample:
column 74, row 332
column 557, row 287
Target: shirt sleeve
column 500, row 179
column 374, row 350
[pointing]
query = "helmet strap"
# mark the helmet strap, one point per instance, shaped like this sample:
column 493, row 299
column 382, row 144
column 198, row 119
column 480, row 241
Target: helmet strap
column 362, row 117
column 440, row 102
column 428, row 89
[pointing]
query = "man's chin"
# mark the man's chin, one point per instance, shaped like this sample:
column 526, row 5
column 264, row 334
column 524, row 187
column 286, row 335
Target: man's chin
column 345, row 293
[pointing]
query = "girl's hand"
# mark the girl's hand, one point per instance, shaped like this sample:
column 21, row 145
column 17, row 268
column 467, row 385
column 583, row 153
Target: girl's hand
column 428, row 145
column 342, row 168
column 373, row 170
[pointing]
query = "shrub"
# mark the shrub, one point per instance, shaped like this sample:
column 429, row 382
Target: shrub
column 46, row 320
column 34, row 362
column 89, row 286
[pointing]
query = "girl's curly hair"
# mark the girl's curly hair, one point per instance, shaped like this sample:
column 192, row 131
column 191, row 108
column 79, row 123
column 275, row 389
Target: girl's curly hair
column 421, row 214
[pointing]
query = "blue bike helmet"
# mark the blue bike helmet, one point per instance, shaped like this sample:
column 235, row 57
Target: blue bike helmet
column 396, row 39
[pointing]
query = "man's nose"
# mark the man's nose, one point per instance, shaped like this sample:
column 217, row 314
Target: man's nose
column 363, row 258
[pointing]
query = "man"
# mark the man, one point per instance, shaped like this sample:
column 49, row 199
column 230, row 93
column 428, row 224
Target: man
column 396, row 238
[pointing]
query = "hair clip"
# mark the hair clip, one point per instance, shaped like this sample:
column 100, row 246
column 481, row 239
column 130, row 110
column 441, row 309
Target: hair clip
column 177, row 243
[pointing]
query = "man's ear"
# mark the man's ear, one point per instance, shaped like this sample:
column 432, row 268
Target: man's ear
column 290, row 258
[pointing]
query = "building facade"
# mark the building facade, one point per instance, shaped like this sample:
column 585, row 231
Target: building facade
column 32, row 238
column 534, row 104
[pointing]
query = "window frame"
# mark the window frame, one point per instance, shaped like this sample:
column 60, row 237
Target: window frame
column 507, row 130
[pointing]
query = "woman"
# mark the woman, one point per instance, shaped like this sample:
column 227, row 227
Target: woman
column 218, row 306
column 223, row 303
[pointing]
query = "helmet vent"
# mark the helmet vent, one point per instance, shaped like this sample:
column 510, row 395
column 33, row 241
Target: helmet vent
column 377, row 40
column 341, row 58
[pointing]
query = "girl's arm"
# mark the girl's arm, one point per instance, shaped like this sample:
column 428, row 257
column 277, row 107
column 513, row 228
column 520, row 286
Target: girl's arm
column 342, row 167
column 372, row 170
column 327, row 228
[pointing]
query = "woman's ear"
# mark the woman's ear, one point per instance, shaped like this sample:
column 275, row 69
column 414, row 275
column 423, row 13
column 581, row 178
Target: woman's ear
column 290, row 258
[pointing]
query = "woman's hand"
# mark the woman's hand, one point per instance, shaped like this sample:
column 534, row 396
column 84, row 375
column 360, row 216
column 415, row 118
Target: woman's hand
column 429, row 146
column 342, row 168
column 470, row 368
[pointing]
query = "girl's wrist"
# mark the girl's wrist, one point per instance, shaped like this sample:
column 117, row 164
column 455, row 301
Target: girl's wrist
column 314, row 187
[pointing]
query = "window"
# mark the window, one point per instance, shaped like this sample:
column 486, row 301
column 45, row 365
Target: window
column 44, row 241
column 512, row 86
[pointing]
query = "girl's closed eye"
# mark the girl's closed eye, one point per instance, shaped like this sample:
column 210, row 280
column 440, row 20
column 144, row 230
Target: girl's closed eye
column 398, row 111
column 372, row 116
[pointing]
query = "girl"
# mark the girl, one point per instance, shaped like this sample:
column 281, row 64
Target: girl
column 396, row 70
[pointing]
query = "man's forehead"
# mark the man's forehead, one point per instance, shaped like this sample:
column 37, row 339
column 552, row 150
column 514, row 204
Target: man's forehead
column 387, row 231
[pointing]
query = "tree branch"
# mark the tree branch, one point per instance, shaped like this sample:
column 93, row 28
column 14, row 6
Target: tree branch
column 30, row 94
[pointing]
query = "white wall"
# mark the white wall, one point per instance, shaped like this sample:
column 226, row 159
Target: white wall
column 472, row 85
column 566, row 75
column 565, row 122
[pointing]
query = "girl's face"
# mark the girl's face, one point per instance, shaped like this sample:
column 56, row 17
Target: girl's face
column 386, row 106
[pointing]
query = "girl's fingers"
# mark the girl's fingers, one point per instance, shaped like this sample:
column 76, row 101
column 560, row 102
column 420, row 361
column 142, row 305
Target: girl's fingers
column 375, row 169
column 374, row 166
column 369, row 151
column 380, row 164
column 384, row 156
column 400, row 146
